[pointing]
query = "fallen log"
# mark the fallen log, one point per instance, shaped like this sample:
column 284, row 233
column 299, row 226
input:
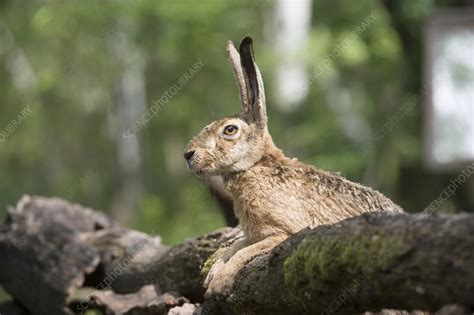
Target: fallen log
column 370, row 262
column 57, row 247
column 42, row 250
column 366, row 263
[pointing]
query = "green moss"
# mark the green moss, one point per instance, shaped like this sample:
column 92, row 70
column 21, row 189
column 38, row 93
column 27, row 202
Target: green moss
column 206, row 267
column 340, row 261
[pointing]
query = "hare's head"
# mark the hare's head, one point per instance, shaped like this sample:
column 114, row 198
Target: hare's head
column 234, row 143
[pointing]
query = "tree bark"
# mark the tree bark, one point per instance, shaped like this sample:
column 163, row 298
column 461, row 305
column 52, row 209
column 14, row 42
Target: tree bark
column 367, row 263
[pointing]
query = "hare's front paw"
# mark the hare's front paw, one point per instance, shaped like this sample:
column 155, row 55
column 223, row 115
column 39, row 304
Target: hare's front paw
column 222, row 282
column 215, row 269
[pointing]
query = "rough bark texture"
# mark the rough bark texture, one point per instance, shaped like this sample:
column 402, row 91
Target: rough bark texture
column 363, row 264
column 56, row 247
column 43, row 250
column 147, row 299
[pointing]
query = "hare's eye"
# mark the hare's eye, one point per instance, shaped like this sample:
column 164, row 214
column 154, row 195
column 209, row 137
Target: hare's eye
column 230, row 130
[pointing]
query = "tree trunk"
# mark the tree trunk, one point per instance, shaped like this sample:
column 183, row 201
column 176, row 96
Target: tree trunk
column 130, row 104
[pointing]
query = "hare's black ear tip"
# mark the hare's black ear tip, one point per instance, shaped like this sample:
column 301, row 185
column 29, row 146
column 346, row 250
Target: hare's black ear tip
column 247, row 40
column 246, row 46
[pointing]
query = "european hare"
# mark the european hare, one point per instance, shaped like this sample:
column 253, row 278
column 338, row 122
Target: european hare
column 274, row 196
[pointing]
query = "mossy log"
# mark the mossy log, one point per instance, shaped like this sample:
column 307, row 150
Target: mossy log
column 51, row 249
column 375, row 261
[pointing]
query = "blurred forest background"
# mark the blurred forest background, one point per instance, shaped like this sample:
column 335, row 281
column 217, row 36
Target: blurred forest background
column 76, row 75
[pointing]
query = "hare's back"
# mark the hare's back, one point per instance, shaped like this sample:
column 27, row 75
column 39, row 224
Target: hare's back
column 345, row 198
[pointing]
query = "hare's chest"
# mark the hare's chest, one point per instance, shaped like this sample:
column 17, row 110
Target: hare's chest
column 257, row 222
column 267, row 207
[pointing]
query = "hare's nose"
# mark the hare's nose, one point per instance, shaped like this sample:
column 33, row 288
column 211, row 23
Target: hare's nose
column 188, row 155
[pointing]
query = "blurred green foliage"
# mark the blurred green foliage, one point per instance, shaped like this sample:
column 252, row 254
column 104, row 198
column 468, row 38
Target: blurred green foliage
column 75, row 74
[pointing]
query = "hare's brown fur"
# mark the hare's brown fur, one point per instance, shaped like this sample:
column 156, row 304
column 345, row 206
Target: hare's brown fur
column 279, row 195
column 274, row 196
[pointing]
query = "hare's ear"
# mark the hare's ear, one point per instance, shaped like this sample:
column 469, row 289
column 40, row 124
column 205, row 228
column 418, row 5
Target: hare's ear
column 254, row 82
column 234, row 59
column 249, row 80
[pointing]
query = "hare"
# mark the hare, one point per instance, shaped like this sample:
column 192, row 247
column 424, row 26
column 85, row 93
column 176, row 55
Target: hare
column 274, row 196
